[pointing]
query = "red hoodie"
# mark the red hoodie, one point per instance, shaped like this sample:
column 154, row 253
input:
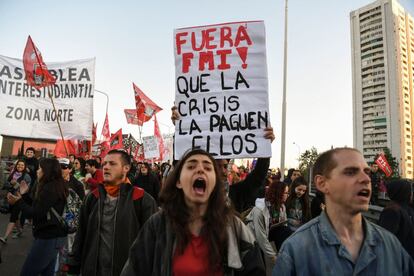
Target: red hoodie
column 97, row 178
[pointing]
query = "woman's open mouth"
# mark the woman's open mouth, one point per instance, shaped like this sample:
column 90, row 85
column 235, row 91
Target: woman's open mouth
column 199, row 186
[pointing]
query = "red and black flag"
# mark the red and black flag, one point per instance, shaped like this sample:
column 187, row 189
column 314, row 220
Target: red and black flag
column 36, row 71
column 116, row 140
column 145, row 107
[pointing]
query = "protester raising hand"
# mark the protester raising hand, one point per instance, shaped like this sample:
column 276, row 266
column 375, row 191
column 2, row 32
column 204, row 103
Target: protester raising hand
column 24, row 187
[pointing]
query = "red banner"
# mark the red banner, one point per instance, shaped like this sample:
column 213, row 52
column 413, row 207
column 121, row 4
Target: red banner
column 383, row 164
column 146, row 108
column 36, row 71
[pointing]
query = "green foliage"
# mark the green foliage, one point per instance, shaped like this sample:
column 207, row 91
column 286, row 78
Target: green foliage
column 306, row 160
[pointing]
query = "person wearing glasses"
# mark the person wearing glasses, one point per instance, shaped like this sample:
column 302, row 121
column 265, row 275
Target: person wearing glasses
column 71, row 181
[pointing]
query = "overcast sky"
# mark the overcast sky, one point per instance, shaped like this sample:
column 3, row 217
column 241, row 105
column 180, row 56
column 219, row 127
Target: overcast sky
column 133, row 42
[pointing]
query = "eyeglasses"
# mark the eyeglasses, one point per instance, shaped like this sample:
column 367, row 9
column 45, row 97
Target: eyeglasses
column 64, row 167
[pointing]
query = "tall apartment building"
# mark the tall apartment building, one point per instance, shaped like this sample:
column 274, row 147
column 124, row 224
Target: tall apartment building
column 382, row 36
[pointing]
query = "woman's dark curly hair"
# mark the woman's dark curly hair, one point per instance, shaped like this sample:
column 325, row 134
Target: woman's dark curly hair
column 216, row 218
column 274, row 193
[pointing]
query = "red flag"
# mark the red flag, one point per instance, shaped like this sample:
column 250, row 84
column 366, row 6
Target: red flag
column 132, row 117
column 144, row 105
column 36, row 71
column 116, row 140
column 383, row 164
column 94, row 126
column 106, row 134
column 139, row 153
column 84, row 147
column 106, row 137
column 157, row 134
column 60, row 148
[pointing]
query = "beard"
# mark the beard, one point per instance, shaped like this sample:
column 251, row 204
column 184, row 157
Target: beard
column 116, row 179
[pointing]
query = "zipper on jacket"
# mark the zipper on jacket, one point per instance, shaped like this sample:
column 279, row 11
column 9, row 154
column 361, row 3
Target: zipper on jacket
column 113, row 239
column 99, row 230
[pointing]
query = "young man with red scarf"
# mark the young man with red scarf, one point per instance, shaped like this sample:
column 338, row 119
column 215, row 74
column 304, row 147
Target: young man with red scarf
column 110, row 220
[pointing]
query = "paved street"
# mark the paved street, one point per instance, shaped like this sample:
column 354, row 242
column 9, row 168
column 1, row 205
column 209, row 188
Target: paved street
column 14, row 253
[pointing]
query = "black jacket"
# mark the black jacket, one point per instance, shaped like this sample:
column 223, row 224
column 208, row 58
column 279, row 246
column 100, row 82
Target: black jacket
column 149, row 183
column 45, row 224
column 77, row 186
column 398, row 217
column 152, row 251
column 134, row 207
column 32, row 165
column 244, row 193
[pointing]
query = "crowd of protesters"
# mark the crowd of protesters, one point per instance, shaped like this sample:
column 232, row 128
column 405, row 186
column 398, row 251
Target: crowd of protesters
column 202, row 216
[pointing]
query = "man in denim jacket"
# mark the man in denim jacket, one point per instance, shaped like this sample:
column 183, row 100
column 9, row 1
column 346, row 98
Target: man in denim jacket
column 340, row 241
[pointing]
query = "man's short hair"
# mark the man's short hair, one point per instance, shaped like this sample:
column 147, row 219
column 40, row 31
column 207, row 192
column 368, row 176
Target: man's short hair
column 126, row 159
column 326, row 162
column 30, row 148
column 92, row 163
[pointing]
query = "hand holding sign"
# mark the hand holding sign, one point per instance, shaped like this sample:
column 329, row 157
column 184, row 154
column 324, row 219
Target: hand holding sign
column 222, row 90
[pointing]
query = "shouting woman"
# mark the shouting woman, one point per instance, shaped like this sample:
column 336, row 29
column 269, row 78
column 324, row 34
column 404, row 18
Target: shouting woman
column 196, row 232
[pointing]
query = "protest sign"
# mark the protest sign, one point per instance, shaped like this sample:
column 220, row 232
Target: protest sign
column 222, row 90
column 27, row 112
column 150, row 147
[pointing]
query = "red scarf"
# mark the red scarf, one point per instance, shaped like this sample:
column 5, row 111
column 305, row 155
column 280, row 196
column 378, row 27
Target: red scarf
column 113, row 190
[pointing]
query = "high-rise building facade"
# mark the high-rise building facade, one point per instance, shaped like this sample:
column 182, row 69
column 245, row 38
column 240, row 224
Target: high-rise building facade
column 382, row 37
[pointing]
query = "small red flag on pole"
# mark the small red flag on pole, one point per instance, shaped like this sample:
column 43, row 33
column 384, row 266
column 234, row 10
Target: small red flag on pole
column 106, row 137
column 116, row 140
column 383, row 164
column 94, row 126
column 157, row 134
column 36, row 71
column 146, row 108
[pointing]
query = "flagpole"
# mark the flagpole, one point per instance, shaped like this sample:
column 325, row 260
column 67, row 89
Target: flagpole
column 57, row 121
column 283, row 136
column 50, row 96
column 107, row 102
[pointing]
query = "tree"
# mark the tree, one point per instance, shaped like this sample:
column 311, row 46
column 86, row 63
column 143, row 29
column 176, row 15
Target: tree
column 306, row 161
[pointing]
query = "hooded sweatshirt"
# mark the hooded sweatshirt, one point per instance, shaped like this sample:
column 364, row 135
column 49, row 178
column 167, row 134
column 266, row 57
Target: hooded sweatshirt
column 398, row 216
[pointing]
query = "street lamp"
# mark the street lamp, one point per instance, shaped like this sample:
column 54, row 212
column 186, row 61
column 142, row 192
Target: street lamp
column 107, row 98
column 298, row 147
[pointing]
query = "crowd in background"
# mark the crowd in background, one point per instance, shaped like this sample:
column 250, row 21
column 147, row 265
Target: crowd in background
column 270, row 208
